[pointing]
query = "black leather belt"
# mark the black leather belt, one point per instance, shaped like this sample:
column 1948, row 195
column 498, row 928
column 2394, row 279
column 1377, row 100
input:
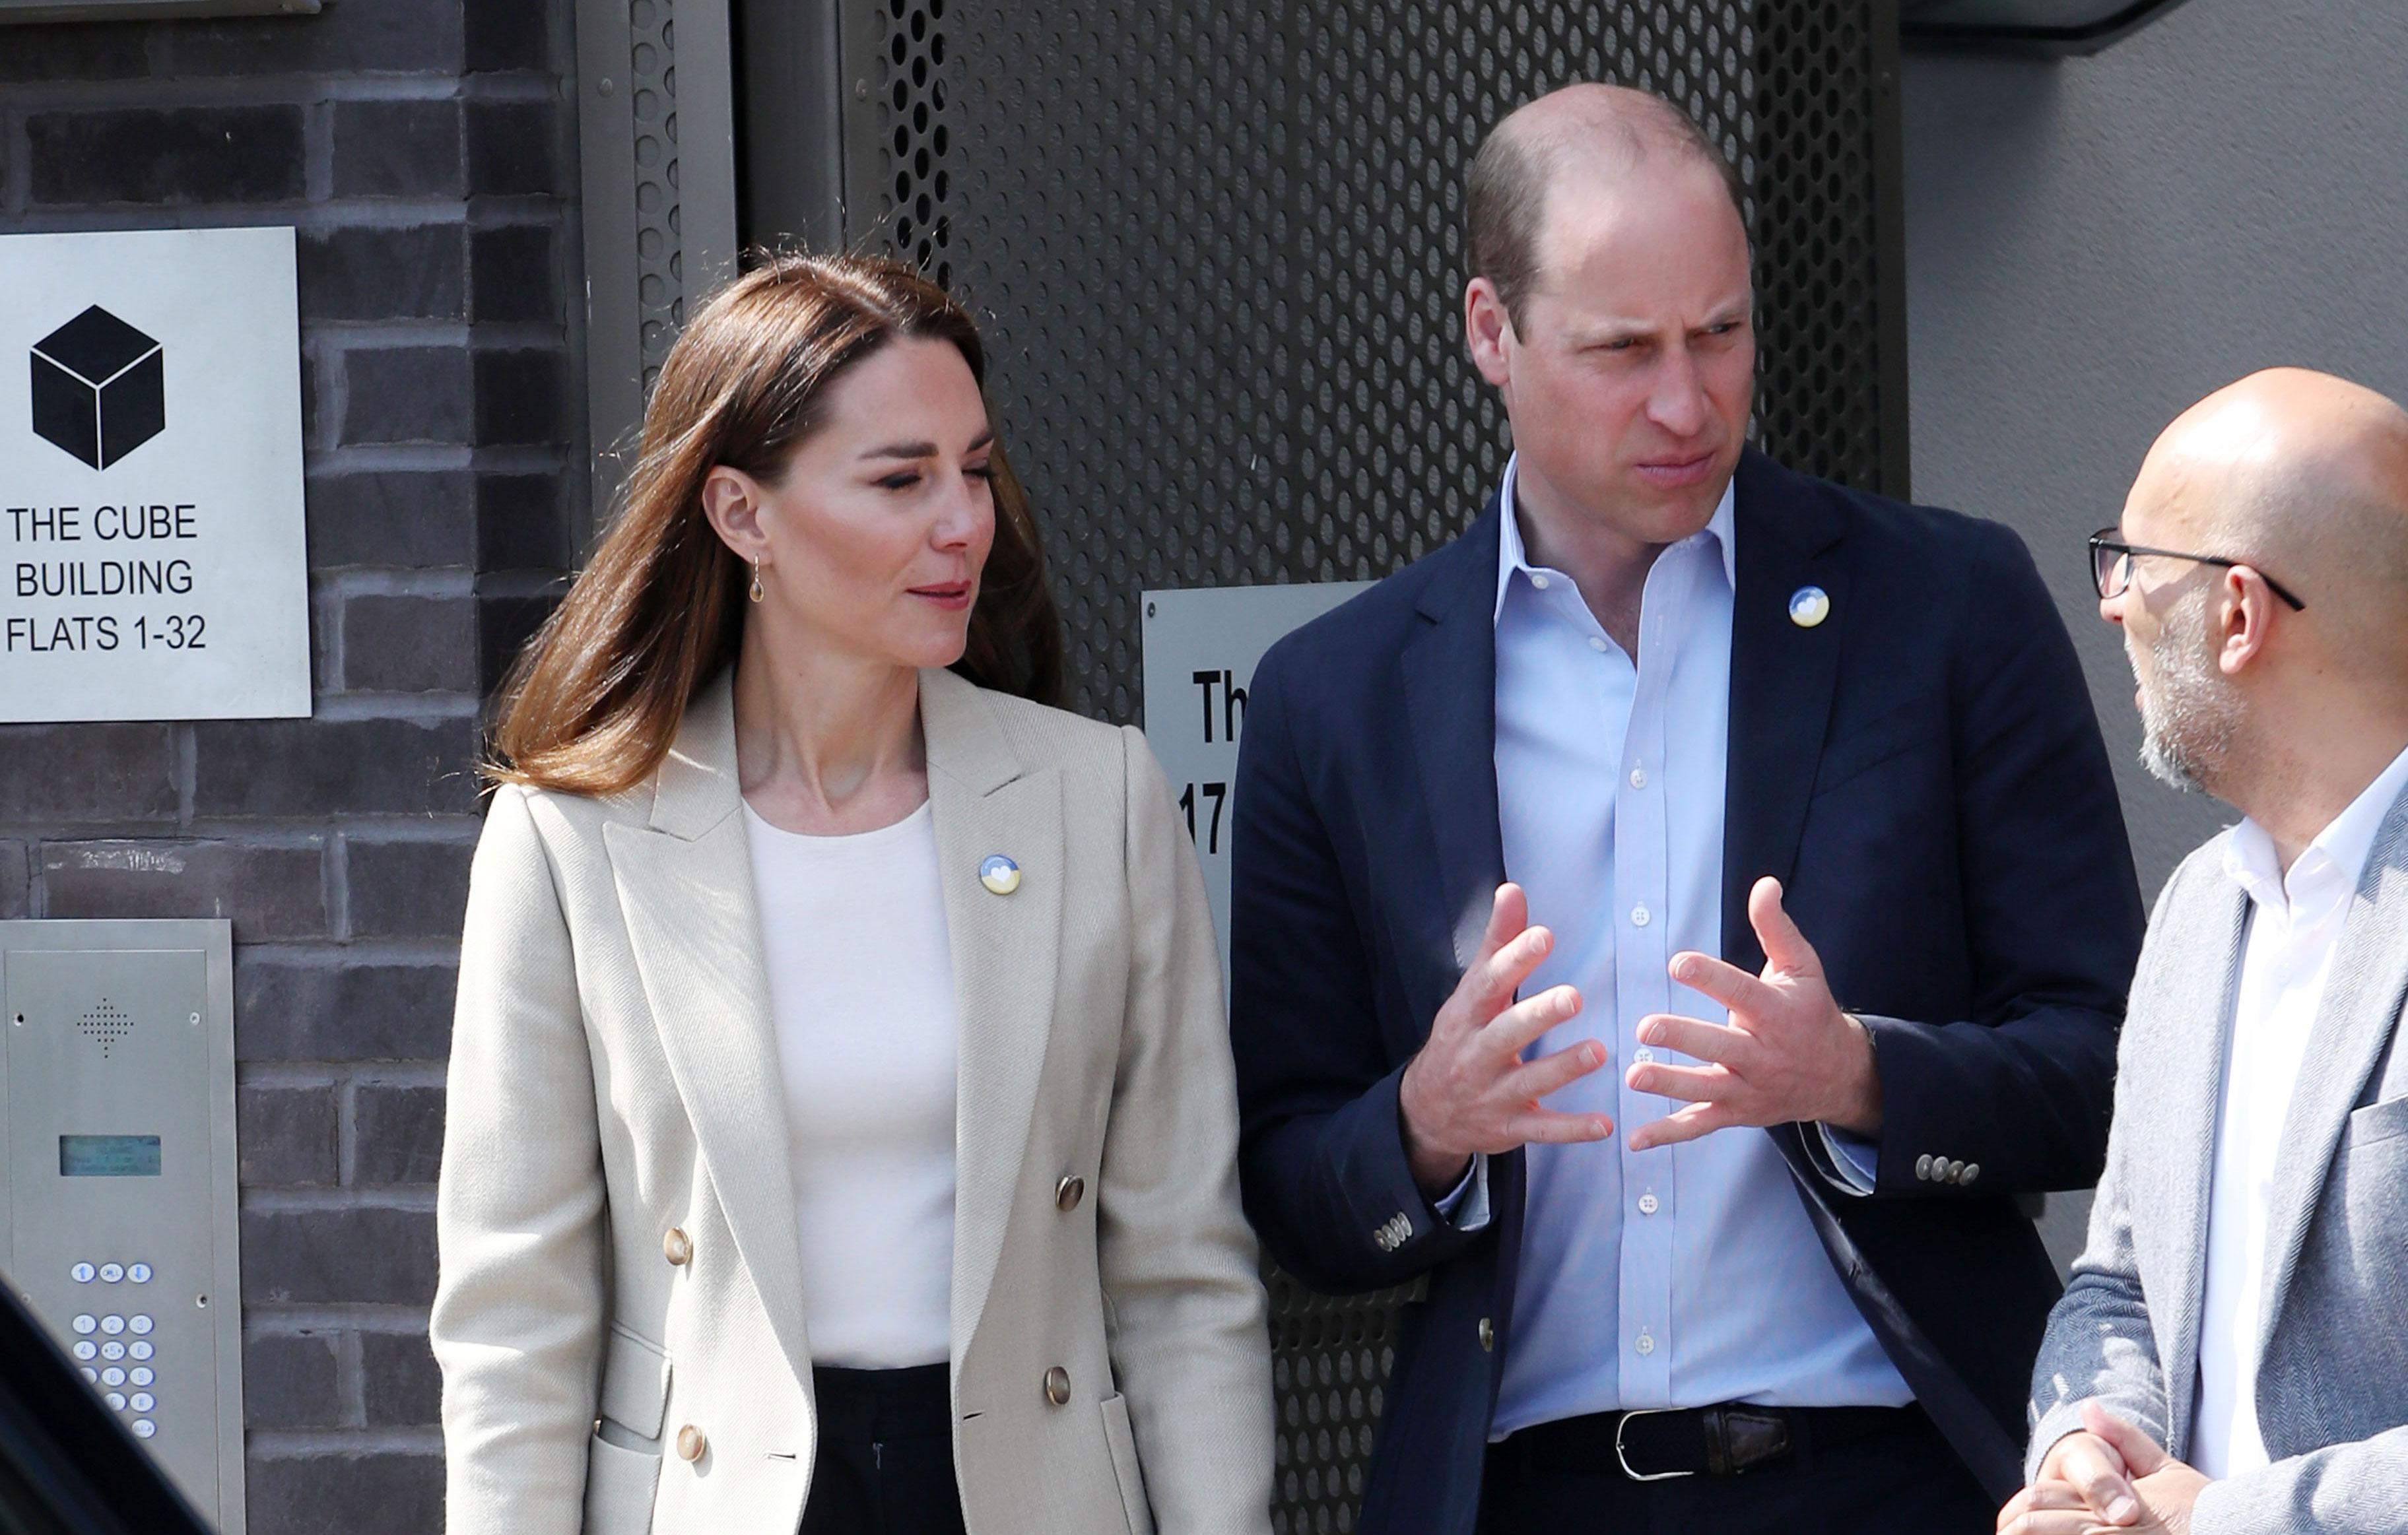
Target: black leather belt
column 1651, row 1444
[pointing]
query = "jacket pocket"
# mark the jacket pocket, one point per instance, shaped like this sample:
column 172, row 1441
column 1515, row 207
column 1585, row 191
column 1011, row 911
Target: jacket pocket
column 1122, row 1441
column 619, row 1486
column 634, row 1384
column 2376, row 1121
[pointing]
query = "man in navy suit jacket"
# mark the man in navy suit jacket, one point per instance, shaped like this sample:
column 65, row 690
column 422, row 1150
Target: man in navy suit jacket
column 1806, row 789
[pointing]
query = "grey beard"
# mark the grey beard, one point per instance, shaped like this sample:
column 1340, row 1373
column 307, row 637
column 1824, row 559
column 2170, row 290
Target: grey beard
column 2188, row 711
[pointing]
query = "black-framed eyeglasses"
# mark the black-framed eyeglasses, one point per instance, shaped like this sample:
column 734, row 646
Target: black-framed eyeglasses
column 2111, row 565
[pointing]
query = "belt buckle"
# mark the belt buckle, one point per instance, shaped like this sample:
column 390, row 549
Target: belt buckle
column 1623, row 1454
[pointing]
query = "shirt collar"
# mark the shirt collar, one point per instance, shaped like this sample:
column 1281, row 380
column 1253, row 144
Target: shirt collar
column 2330, row 867
column 1513, row 556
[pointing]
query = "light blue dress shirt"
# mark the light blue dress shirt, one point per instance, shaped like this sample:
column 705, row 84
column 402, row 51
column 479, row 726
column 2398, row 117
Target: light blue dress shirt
column 1688, row 1275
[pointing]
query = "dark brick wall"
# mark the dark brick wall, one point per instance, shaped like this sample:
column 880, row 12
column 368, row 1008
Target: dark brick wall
column 426, row 150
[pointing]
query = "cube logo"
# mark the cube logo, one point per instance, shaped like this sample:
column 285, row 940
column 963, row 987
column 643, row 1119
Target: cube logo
column 99, row 388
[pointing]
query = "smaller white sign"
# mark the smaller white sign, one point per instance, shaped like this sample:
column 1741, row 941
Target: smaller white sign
column 153, row 556
column 1201, row 648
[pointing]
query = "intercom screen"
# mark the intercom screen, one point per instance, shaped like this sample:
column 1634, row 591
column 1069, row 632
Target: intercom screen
column 108, row 1156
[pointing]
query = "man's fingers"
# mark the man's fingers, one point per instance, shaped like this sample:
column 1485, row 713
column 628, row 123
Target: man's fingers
column 1548, row 1125
column 2142, row 1455
column 1520, row 1025
column 1549, row 1072
column 2090, row 1470
column 1785, row 948
column 1716, row 1043
column 2051, row 1522
column 1684, row 1125
column 1509, row 912
column 1495, row 977
column 1690, row 1084
column 1726, row 983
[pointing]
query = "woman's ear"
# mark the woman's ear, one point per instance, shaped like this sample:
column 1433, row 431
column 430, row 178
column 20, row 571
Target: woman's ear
column 731, row 499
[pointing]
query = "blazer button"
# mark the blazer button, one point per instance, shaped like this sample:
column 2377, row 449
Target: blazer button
column 1068, row 1192
column 678, row 1248
column 1057, row 1386
column 1973, row 1170
column 691, row 1444
column 1487, row 1335
column 1923, row 1167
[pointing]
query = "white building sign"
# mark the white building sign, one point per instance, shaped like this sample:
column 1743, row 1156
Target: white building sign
column 1201, row 651
column 154, row 561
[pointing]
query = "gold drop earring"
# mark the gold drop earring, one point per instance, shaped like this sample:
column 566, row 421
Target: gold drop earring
column 756, row 593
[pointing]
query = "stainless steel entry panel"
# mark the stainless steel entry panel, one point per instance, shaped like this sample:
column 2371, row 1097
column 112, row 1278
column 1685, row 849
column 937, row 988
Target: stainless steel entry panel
column 119, row 1184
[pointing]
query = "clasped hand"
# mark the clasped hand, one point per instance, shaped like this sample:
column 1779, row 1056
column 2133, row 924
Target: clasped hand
column 2109, row 1478
column 1787, row 1054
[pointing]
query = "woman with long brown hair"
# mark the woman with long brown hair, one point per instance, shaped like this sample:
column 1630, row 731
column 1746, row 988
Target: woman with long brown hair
column 841, row 1133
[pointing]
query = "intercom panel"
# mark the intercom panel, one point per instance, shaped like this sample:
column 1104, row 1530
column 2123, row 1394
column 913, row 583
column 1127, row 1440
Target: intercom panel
column 120, row 1188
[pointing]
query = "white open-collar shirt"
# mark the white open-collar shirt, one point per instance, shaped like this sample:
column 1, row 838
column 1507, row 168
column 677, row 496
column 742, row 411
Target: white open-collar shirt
column 2294, row 928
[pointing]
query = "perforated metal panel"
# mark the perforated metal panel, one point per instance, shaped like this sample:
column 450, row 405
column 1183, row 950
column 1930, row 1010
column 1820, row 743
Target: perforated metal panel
column 1219, row 252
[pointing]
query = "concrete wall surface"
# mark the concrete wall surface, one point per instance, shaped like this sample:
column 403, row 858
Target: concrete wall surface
column 425, row 150
column 2094, row 244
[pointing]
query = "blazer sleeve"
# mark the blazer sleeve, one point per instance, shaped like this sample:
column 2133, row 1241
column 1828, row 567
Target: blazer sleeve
column 2360, row 1488
column 2052, row 914
column 517, row 1318
column 2100, row 1344
column 1323, row 1155
column 1184, row 1296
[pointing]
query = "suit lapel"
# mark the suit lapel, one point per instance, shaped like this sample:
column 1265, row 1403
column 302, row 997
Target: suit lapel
column 2353, row 1022
column 1782, row 681
column 685, row 887
column 1450, row 673
column 1006, row 952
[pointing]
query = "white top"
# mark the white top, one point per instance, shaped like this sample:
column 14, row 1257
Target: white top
column 861, row 994
column 2294, row 926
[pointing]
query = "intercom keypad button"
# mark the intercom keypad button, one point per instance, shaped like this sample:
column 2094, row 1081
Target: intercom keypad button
column 116, row 1401
column 111, row 1272
column 142, row 1402
column 91, row 1374
column 140, row 1324
column 112, row 1376
column 141, row 1375
column 85, row 1349
column 81, row 1273
column 144, row 1427
column 112, row 1350
column 85, row 1323
column 112, row 1325
column 140, row 1351
column 138, row 1272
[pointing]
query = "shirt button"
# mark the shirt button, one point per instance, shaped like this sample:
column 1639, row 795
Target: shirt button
column 1640, row 916
column 1641, row 1056
column 1647, row 1205
column 1646, row 1343
column 1638, row 777
column 1539, row 580
column 1597, row 642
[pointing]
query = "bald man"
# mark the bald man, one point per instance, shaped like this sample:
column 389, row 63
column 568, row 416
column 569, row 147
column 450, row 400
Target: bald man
column 1673, row 921
column 2231, row 1357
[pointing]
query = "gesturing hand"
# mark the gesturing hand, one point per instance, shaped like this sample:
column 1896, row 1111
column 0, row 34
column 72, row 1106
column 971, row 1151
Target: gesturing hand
column 2111, row 1480
column 1468, row 1090
column 1787, row 1054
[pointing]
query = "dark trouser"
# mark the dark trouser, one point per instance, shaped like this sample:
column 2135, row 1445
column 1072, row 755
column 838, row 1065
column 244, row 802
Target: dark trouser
column 885, row 1453
column 1898, row 1478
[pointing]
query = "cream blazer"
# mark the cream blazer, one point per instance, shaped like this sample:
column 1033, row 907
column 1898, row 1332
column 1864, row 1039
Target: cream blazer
column 619, row 1314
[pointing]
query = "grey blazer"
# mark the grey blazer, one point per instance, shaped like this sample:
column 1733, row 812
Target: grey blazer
column 620, row 1315
column 2332, row 1380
